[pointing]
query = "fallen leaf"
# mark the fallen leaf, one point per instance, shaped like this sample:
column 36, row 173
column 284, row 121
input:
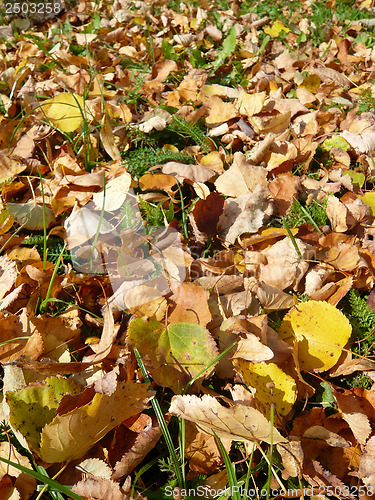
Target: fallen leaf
column 272, row 384
column 31, row 215
column 194, row 173
column 320, row 332
column 240, row 178
column 69, row 436
column 35, row 406
column 244, row 214
column 66, row 111
column 98, row 488
column 175, row 353
column 116, row 192
column 239, row 422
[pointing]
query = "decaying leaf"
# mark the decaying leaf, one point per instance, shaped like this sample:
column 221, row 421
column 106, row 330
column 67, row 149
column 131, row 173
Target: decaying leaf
column 70, row 436
column 239, row 422
column 244, row 214
column 249, row 142
column 31, row 215
column 35, row 406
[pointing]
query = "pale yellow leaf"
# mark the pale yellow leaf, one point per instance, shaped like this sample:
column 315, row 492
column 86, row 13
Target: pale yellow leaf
column 65, row 111
column 70, row 436
column 239, row 422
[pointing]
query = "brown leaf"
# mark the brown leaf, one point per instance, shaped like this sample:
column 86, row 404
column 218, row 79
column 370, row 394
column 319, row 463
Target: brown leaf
column 108, row 140
column 241, row 178
column 163, row 182
column 8, row 275
column 99, row 488
column 191, row 304
column 239, row 422
column 202, row 450
column 194, row 173
column 133, row 442
column 366, row 470
column 355, row 414
column 244, row 214
column 106, row 340
column 207, row 213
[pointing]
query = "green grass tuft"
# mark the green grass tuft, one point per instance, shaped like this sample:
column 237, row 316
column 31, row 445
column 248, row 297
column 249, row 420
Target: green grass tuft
column 138, row 161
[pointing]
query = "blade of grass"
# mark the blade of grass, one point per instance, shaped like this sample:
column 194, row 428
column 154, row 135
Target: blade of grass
column 231, row 473
column 183, row 214
column 13, row 340
column 44, row 223
column 13, row 235
column 163, row 424
column 270, row 451
column 181, row 442
column 270, row 465
column 46, row 300
column 54, row 494
column 144, row 469
column 44, row 479
column 291, row 236
column 207, row 367
column 248, row 473
column 99, row 224
column 53, row 299
column 313, row 223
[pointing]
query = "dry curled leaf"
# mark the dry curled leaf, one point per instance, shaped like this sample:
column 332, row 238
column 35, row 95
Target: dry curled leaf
column 239, row 422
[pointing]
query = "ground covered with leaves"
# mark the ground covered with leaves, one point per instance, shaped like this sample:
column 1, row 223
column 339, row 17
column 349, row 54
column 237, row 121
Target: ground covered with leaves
column 187, row 250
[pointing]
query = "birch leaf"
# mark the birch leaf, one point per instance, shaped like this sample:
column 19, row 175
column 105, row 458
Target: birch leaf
column 239, row 422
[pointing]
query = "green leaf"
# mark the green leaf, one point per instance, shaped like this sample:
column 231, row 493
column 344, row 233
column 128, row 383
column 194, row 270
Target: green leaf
column 174, row 354
column 335, row 142
column 327, row 396
column 168, row 50
column 229, row 43
column 34, row 406
column 357, row 177
column 30, row 215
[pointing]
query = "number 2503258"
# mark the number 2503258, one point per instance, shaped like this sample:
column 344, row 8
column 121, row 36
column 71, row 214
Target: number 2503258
column 32, row 8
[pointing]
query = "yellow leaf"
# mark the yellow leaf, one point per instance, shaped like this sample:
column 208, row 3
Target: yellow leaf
column 32, row 407
column 369, row 199
column 259, row 375
column 71, row 435
column 311, row 83
column 276, row 29
column 250, row 104
column 20, row 66
column 220, row 111
column 320, row 332
column 6, row 221
column 65, row 111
